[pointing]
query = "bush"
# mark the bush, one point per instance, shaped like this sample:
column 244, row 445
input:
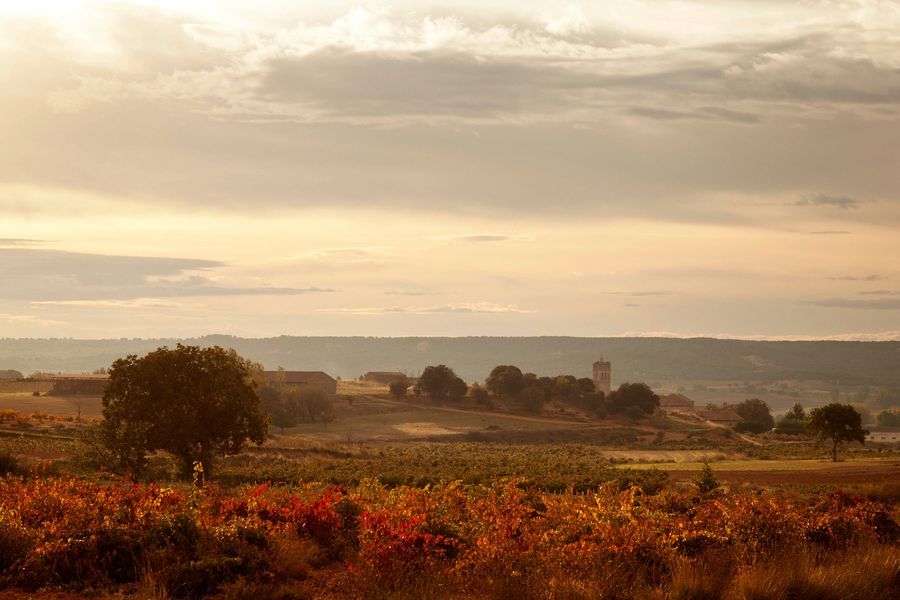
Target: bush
column 8, row 463
column 398, row 389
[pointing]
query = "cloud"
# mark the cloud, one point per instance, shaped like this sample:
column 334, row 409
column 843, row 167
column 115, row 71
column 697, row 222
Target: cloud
column 461, row 307
column 542, row 114
column 409, row 293
column 844, row 202
column 880, row 304
column 5, row 242
column 125, row 304
column 638, row 294
column 701, row 113
column 484, row 237
column 857, row 278
column 56, row 275
column 377, row 66
column 879, row 293
column 831, row 232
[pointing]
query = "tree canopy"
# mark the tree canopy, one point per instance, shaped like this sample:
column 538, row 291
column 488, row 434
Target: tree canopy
column 755, row 416
column 889, row 418
column 837, row 423
column 505, row 380
column 196, row 403
column 793, row 422
column 638, row 395
column 441, row 383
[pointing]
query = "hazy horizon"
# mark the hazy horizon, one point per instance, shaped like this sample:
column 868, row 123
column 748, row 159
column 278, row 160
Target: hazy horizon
column 420, row 168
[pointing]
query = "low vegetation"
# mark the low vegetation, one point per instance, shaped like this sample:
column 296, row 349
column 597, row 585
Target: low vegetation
column 497, row 541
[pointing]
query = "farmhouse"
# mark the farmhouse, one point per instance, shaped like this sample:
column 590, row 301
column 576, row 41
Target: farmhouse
column 673, row 402
column 385, row 377
column 77, row 385
column 304, row 379
column 721, row 416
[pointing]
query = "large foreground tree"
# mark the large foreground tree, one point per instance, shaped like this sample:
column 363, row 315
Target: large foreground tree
column 837, row 423
column 196, row 403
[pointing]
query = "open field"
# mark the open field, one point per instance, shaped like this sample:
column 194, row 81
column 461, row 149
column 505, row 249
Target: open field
column 372, row 418
column 788, row 472
column 66, row 406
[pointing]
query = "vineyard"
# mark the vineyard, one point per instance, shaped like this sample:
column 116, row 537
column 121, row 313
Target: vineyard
column 450, row 540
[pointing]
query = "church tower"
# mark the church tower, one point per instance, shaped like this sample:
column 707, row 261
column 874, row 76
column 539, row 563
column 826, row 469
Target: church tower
column 602, row 370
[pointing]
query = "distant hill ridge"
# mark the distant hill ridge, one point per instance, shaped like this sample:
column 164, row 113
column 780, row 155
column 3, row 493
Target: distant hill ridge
column 645, row 359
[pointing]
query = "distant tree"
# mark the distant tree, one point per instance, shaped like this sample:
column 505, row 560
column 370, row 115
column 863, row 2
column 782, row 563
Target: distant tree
column 458, row 388
column 889, row 418
column 888, row 398
column 196, row 403
column 635, row 413
column 441, row 383
column 314, row 404
column 865, row 414
column 797, row 413
column 837, row 423
column 505, row 380
column 532, row 399
column 281, row 407
column 546, row 383
column 480, row 395
column 756, row 416
column 565, row 388
column 11, row 374
column 793, row 422
column 398, row 389
column 585, row 386
column 633, row 394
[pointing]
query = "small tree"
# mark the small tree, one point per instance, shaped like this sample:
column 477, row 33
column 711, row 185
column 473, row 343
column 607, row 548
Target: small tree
column 196, row 403
column 838, row 423
column 398, row 389
column 480, row 395
column 796, row 413
column 281, row 407
column 706, row 481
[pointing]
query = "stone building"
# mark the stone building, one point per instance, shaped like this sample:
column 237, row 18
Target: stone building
column 674, row 402
column 304, row 379
column 78, row 385
column 601, row 377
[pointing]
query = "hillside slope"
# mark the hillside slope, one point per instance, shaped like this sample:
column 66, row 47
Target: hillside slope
column 648, row 359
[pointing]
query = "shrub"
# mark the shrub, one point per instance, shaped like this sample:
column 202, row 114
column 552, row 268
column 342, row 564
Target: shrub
column 8, row 463
column 706, row 481
column 398, row 389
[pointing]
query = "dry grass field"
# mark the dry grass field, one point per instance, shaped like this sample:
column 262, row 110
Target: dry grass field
column 66, row 406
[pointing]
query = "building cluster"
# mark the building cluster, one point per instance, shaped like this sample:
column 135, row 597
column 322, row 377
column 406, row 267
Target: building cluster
column 93, row 385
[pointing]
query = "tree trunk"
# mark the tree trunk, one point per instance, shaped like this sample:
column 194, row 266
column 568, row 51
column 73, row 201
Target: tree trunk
column 834, row 445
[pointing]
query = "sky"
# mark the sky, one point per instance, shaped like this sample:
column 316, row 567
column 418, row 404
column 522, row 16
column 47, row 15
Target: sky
column 697, row 167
